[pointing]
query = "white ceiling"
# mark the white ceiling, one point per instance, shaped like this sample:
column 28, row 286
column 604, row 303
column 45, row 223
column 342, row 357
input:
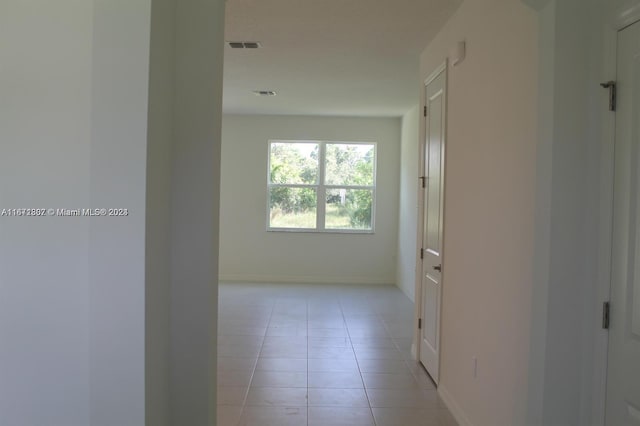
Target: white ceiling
column 328, row 57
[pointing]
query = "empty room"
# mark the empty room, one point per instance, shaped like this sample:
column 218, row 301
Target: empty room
column 312, row 329
column 319, row 212
column 333, row 207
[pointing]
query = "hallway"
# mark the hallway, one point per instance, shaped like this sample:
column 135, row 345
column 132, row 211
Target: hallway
column 320, row 355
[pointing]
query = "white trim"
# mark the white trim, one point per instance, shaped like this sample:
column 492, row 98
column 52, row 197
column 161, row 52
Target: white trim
column 622, row 18
column 453, row 407
column 625, row 15
column 537, row 5
column 442, row 68
column 321, row 191
column 304, row 279
column 435, row 73
column 323, row 231
column 605, row 232
column 613, row 19
column 321, row 188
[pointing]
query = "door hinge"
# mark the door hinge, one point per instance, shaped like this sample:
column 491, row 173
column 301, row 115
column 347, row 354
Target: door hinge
column 421, row 253
column 419, row 323
column 611, row 85
column 423, row 180
column 425, row 111
column 606, row 311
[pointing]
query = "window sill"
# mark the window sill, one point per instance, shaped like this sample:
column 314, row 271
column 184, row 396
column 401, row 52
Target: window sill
column 324, row 231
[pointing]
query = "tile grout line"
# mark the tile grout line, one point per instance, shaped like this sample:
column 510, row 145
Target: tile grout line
column 399, row 349
column 366, row 393
column 307, row 337
column 255, row 365
column 405, row 361
column 365, row 312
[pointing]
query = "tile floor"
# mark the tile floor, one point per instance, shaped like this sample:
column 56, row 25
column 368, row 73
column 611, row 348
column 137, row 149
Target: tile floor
column 320, row 355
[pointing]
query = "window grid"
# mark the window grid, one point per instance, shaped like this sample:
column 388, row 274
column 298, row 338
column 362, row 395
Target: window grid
column 321, row 189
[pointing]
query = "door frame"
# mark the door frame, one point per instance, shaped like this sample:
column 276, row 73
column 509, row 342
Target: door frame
column 611, row 17
column 442, row 68
column 621, row 21
column 618, row 20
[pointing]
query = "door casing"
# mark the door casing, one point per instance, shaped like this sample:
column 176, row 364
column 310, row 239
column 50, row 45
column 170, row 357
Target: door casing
column 442, row 68
column 623, row 223
column 618, row 20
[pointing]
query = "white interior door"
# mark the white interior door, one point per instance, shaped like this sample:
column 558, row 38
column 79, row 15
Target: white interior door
column 623, row 381
column 431, row 293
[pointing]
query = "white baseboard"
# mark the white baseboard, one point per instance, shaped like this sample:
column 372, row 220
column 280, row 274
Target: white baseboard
column 302, row 279
column 453, row 406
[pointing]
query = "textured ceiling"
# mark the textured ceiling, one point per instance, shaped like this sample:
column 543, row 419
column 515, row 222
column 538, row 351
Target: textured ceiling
column 328, row 57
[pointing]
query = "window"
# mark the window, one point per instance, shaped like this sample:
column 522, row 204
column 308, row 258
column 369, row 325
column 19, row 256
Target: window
column 321, row 186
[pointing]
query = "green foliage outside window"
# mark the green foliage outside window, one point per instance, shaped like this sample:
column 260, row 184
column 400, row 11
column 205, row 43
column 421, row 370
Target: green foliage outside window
column 345, row 166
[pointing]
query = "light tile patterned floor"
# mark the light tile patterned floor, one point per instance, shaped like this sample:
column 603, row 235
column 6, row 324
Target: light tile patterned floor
column 320, row 355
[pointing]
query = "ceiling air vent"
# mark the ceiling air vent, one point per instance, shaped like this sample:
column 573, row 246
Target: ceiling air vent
column 244, row 44
column 264, row 93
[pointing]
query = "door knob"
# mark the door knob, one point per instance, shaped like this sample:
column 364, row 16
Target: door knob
column 438, row 268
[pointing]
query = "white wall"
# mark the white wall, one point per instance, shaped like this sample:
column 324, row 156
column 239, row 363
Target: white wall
column 199, row 27
column 120, row 75
column 74, row 136
column 574, row 212
column 408, row 203
column 489, row 205
column 45, row 128
column 249, row 253
column 158, row 212
column 84, row 329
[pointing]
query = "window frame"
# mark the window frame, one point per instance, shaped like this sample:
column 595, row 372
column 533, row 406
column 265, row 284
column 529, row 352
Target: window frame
column 321, row 188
